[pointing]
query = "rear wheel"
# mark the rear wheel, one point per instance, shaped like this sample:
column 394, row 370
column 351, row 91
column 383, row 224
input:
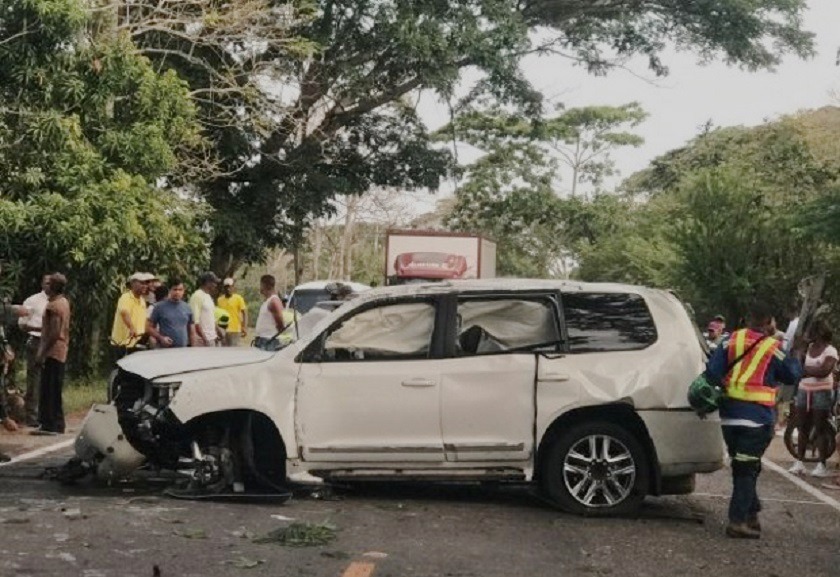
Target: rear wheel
column 596, row 469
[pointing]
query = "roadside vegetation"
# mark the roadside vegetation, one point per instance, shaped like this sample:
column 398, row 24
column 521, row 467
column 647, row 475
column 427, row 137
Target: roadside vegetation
column 175, row 136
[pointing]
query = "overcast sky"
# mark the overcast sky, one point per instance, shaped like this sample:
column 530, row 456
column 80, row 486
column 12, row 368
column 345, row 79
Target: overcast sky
column 681, row 103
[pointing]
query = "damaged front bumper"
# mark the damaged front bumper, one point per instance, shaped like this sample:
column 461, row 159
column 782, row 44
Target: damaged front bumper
column 137, row 426
column 103, row 445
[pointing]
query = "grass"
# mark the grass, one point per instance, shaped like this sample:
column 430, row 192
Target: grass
column 79, row 395
column 301, row 534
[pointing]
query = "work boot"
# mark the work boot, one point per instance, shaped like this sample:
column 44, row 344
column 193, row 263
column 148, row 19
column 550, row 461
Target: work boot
column 4, row 458
column 754, row 524
column 741, row 531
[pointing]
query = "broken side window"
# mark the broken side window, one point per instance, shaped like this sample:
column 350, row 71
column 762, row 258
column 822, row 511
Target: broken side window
column 390, row 332
column 505, row 325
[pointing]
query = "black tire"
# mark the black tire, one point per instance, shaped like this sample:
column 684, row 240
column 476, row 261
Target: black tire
column 620, row 486
column 812, row 455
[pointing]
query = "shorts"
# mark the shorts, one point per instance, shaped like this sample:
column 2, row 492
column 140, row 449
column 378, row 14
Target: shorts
column 814, row 400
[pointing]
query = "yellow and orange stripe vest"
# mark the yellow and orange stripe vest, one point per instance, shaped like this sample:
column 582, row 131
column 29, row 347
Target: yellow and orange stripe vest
column 745, row 381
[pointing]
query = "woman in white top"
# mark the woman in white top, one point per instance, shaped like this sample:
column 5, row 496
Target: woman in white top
column 815, row 397
column 270, row 319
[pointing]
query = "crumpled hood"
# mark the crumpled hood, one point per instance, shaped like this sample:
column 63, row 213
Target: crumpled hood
column 165, row 362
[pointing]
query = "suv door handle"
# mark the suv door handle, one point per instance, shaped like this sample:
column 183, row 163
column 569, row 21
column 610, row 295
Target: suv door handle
column 419, row 383
column 556, row 377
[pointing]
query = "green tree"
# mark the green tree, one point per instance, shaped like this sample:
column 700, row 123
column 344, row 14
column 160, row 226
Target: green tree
column 510, row 192
column 736, row 214
column 89, row 133
column 583, row 138
column 351, row 67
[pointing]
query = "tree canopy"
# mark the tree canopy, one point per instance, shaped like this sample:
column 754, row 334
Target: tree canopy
column 514, row 191
column 88, row 130
column 737, row 214
column 349, row 69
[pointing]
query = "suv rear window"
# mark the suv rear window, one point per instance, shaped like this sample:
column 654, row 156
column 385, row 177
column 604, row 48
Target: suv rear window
column 599, row 322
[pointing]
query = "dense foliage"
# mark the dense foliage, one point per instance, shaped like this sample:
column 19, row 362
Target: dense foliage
column 153, row 134
column 88, row 132
column 349, row 69
column 514, row 191
column 739, row 213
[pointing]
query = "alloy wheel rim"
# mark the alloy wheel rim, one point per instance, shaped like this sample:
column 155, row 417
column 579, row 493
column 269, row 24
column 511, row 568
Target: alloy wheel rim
column 599, row 471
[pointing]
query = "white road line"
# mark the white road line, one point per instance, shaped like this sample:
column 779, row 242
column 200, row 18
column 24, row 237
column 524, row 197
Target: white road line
column 40, row 452
column 814, row 492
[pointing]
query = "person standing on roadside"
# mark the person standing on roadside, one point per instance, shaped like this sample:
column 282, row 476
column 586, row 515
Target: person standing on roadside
column 815, row 399
column 171, row 322
column 204, row 310
column 52, row 354
column 130, row 317
column 270, row 319
column 750, row 365
column 234, row 304
column 30, row 322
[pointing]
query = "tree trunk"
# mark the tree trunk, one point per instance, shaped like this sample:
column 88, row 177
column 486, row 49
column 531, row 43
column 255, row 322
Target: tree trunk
column 811, row 290
column 347, row 241
column 317, row 241
column 576, row 168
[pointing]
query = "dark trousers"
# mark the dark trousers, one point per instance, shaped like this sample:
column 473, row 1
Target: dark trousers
column 33, row 379
column 50, row 408
column 745, row 446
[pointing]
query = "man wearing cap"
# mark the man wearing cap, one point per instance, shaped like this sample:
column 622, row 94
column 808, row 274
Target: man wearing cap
column 130, row 317
column 204, row 309
column 235, row 306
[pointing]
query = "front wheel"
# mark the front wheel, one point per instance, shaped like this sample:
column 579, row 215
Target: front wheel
column 596, row 469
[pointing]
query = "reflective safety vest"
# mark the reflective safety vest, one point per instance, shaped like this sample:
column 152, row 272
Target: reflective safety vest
column 745, row 380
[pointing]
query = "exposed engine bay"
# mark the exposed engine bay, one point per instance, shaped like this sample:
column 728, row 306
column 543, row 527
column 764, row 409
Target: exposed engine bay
column 229, row 454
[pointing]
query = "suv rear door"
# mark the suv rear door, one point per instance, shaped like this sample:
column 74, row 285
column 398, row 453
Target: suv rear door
column 488, row 378
column 606, row 336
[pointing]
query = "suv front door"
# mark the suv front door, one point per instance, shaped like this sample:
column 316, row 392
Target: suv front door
column 368, row 389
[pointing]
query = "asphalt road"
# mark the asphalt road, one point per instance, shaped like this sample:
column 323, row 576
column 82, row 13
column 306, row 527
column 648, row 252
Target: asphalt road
column 93, row 530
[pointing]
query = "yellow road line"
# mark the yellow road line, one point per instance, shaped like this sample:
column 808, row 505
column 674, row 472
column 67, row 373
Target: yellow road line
column 359, row 569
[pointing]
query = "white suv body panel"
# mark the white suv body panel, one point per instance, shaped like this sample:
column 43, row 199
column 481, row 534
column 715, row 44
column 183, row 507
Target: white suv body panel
column 453, row 415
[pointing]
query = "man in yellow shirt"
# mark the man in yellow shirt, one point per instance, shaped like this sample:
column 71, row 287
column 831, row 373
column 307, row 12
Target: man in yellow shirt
column 234, row 304
column 130, row 316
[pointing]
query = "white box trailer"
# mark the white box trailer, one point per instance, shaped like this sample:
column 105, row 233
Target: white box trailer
column 433, row 255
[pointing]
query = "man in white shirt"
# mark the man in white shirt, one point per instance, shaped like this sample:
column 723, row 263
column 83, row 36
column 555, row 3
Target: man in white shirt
column 32, row 315
column 204, row 309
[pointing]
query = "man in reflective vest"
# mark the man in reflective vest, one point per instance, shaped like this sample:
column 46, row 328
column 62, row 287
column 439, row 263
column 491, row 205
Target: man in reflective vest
column 750, row 365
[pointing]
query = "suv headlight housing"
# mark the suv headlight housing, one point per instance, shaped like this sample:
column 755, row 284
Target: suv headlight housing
column 163, row 393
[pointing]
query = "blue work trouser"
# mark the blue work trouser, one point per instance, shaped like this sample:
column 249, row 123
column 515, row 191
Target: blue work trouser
column 745, row 446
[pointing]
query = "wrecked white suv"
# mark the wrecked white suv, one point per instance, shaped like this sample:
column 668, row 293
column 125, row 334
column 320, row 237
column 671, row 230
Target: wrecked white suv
column 578, row 388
